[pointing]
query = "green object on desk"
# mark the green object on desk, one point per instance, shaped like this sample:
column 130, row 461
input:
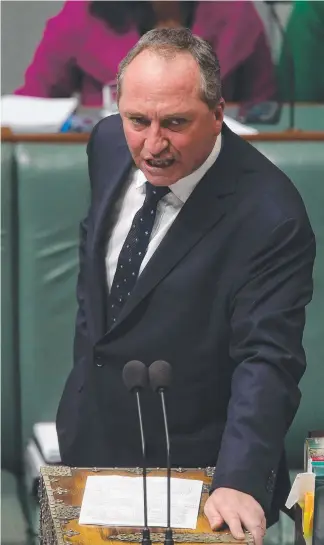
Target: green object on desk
column 305, row 36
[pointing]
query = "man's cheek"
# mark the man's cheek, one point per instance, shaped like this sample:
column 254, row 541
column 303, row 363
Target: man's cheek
column 135, row 144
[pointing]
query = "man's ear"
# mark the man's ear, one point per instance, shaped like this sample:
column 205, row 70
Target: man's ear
column 220, row 106
column 219, row 111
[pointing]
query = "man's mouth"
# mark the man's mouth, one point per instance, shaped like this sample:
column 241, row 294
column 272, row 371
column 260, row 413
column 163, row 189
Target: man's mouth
column 159, row 163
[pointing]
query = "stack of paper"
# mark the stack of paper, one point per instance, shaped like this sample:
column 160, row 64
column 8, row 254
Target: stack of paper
column 24, row 114
column 118, row 501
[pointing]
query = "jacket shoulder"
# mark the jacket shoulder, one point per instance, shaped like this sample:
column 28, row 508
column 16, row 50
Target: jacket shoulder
column 107, row 133
column 110, row 125
column 263, row 190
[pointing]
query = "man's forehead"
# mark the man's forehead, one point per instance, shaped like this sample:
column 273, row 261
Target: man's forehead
column 162, row 57
column 149, row 67
column 160, row 105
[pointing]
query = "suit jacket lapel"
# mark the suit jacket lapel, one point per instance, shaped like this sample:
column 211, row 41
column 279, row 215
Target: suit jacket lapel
column 113, row 172
column 203, row 210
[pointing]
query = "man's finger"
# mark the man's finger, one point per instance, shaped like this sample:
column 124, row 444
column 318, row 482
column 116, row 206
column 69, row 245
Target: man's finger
column 255, row 526
column 259, row 531
column 264, row 525
column 215, row 519
column 258, row 535
column 234, row 524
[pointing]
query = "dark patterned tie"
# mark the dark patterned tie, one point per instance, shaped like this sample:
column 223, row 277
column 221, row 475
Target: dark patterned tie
column 133, row 252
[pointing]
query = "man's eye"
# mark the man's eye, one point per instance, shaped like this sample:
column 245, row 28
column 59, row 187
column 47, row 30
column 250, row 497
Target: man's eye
column 175, row 122
column 139, row 121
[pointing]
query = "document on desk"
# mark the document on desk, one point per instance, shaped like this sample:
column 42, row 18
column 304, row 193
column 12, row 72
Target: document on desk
column 118, row 501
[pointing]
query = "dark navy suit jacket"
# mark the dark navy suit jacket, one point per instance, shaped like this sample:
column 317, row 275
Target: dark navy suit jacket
column 222, row 299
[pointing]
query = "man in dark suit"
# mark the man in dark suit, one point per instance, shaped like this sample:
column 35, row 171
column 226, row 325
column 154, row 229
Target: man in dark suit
column 196, row 250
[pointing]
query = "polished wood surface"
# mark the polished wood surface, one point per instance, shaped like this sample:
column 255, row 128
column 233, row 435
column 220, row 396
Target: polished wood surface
column 82, row 138
column 61, row 496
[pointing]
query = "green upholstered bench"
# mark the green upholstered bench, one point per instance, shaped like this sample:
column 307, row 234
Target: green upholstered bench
column 53, row 195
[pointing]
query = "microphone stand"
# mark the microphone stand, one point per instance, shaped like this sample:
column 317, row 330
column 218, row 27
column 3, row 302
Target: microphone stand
column 160, row 373
column 168, row 532
column 135, row 377
column 146, row 537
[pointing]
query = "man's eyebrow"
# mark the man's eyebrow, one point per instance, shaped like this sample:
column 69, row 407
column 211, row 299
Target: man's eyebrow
column 175, row 115
column 178, row 115
column 135, row 114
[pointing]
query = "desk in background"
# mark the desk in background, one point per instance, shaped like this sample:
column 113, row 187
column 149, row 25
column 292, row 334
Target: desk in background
column 309, row 127
column 308, row 117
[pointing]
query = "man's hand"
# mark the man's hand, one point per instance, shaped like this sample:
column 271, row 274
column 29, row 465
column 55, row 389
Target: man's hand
column 236, row 509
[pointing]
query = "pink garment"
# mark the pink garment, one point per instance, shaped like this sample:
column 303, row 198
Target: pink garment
column 80, row 52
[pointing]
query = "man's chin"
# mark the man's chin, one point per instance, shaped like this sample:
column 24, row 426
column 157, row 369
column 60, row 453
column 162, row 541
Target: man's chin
column 161, row 180
column 160, row 176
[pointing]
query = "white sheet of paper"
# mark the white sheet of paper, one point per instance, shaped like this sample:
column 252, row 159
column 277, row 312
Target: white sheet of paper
column 24, row 114
column 118, row 501
column 304, row 482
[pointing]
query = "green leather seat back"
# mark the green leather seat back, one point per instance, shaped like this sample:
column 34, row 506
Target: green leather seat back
column 53, row 196
column 10, row 446
column 303, row 162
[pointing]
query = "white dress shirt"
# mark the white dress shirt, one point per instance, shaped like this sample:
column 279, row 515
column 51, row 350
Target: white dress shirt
column 167, row 210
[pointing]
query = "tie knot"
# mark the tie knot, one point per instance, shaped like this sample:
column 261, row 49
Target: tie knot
column 155, row 193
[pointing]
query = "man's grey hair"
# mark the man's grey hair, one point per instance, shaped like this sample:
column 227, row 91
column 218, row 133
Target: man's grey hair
column 167, row 42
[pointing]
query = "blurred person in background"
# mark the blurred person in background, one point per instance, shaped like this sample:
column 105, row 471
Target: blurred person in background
column 305, row 40
column 84, row 43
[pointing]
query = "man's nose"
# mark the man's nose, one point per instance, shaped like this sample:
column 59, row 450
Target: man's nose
column 155, row 142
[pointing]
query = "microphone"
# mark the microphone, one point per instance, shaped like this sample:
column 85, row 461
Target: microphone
column 290, row 61
column 135, row 377
column 160, row 374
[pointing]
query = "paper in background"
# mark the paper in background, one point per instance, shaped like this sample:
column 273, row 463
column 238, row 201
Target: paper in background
column 239, row 128
column 23, row 114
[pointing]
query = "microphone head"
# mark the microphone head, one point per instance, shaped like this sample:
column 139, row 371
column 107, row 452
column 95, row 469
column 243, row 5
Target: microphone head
column 135, row 375
column 160, row 373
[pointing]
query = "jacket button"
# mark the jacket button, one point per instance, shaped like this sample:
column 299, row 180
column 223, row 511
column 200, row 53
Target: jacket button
column 271, row 481
column 99, row 361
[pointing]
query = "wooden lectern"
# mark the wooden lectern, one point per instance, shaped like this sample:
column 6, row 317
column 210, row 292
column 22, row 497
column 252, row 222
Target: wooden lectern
column 61, row 492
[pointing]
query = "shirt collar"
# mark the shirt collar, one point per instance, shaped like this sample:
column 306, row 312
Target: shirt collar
column 185, row 186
